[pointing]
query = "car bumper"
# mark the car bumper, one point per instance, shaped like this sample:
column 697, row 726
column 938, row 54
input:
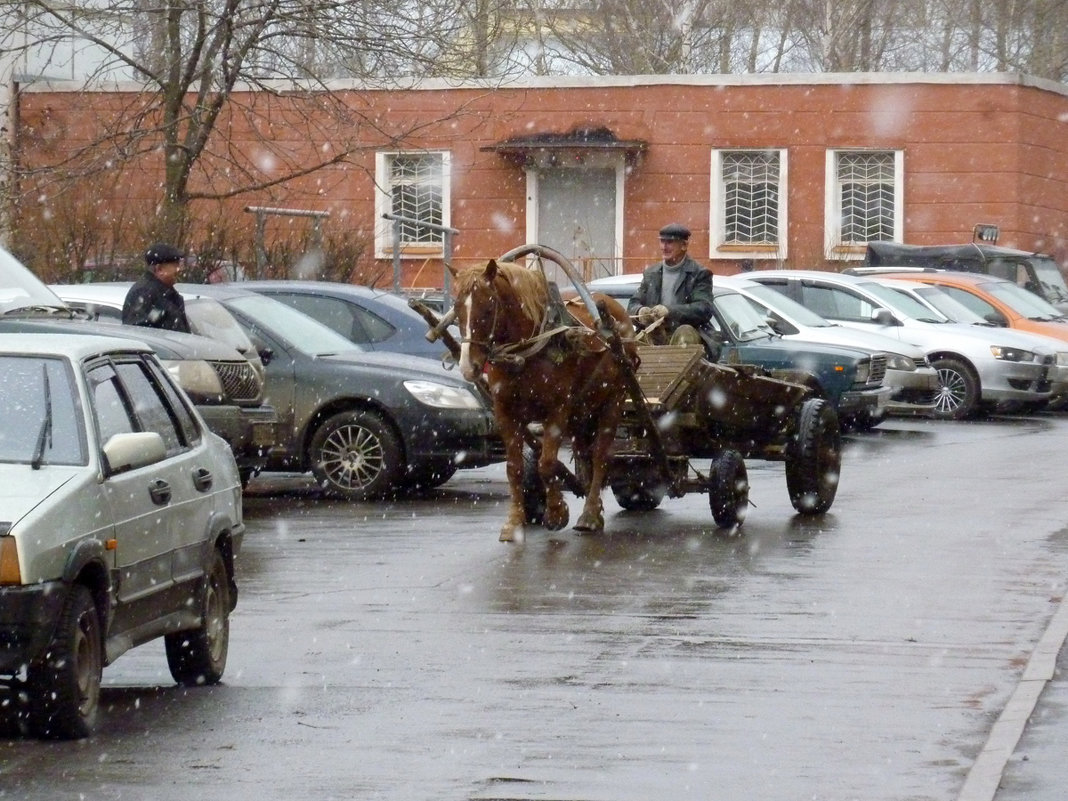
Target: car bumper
column 913, row 390
column 468, row 438
column 28, row 616
column 251, row 432
column 1058, row 380
column 872, row 402
column 1014, row 381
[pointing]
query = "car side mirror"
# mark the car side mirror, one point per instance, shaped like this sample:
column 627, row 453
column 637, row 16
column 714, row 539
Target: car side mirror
column 265, row 352
column 779, row 325
column 883, row 317
column 133, row 449
column 996, row 318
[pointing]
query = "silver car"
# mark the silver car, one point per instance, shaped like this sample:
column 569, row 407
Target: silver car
column 121, row 519
column 977, row 367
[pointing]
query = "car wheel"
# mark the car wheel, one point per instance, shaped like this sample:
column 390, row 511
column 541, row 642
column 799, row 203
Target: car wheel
column 814, row 458
column 958, row 395
column 64, row 685
column 430, row 474
column 728, row 491
column 198, row 656
column 356, row 456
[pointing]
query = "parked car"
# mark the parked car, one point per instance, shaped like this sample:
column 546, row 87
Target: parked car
column 940, row 299
column 908, row 370
column 373, row 319
column 851, row 379
column 223, row 383
column 122, row 517
column 365, row 423
column 997, row 301
column 978, row 368
column 1036, row 273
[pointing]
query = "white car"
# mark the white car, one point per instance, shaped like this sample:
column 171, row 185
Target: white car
column 121, row 519
column 940, row 300
column 908, row 370
column 977, row 367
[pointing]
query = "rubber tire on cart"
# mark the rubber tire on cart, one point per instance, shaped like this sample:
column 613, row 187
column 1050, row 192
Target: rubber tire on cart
column 728, row 490
column 356, row 456
column 533, row 489
column 814, row 458
column 198, row 656
column 638, row 493
column 959, row 393
column 64, row 685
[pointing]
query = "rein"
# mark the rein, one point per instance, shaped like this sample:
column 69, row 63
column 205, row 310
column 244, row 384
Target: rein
column 514, row 354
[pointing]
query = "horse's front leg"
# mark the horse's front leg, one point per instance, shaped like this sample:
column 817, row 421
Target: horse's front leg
column 556, row 511
column 512, row 529
column 599, row 453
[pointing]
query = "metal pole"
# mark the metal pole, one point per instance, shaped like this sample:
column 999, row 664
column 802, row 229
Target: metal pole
column 446, row 252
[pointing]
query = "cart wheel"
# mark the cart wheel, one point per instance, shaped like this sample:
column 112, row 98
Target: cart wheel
column 728, row 491
column 636, row 496
column 533, row 489
column 814, row 458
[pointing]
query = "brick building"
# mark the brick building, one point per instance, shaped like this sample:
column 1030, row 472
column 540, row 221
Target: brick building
column 781, row 170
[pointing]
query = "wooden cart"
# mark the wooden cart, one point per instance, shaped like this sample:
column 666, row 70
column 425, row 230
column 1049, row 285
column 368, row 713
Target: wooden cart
column 682, row 408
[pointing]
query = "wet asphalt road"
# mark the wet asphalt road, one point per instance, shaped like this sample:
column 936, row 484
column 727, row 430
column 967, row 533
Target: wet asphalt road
column 398, row 651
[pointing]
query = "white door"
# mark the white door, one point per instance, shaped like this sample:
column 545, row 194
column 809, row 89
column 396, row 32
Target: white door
column 576, row 211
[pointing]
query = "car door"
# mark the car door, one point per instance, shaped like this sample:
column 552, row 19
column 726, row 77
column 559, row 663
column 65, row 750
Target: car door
column 155, row 507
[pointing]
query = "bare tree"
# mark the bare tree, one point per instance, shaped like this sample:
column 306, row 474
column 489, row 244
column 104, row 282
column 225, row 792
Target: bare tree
column 189, row 58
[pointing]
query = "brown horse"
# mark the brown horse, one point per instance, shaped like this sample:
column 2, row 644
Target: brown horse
column 565, row 377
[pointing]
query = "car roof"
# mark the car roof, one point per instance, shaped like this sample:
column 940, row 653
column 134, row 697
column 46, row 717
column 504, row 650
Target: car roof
column 949, row 276
column 74, row 346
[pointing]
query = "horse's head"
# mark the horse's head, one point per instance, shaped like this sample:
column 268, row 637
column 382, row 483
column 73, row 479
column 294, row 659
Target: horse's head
column 496, row 305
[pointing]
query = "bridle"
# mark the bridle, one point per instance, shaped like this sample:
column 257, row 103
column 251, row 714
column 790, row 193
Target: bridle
column 512, row 354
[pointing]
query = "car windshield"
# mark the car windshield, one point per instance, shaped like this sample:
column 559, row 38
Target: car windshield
column 743, row 320
column 209, row 318
column 1050, row 278
column 298, row 330
column 40, row 419
column 1023, row 302
column 903, row 304
column 943, row 302
column 788, row 307
column 20, row 289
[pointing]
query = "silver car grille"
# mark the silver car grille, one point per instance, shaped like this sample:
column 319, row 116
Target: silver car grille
column 878, row 369
column 239, row 380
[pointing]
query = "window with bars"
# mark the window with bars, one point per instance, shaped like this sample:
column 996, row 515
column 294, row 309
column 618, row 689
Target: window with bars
column 415, row 187
column 864, row 200
column 748, row 212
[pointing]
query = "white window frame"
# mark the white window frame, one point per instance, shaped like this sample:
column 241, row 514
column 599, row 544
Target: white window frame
column 834, row 248
column 719, row 246
column 384, row 205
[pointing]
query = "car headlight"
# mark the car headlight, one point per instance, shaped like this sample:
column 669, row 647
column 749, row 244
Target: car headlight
column 896, row 361
column 197, row 378
column 1062, row 358
column 443, row 396
column 1012, row 354
column 863, row 371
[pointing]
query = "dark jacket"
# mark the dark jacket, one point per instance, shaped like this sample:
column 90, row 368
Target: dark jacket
column 693, row 295
column 152, row 303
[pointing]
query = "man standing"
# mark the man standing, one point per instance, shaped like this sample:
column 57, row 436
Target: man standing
column 678, row 291
column 153, row 301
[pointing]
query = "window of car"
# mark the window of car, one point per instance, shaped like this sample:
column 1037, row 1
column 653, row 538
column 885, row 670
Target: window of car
column 353, row 322
column 126, row 397
column 415, row 185
column 865, row 195
column 40, row 417
column 748, row 209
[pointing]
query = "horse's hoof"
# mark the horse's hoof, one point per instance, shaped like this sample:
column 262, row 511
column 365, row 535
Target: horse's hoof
column 557, row 521
column 511, row 534
column 587, row 522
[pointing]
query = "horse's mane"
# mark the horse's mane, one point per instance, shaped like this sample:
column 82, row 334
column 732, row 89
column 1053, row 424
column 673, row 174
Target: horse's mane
column 530, row 286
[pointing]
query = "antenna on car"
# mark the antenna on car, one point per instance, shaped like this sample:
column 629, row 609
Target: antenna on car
column 985, row 232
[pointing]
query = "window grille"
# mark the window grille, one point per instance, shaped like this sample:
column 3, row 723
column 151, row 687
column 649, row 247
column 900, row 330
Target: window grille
column 751, row 198
column 415, row 181
column 868, row 196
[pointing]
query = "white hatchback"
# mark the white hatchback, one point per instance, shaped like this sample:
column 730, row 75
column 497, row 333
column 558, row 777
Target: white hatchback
column 120, row 517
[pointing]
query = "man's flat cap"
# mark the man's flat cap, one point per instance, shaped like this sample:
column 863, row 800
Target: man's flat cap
column 162, row 253
column 674, row 231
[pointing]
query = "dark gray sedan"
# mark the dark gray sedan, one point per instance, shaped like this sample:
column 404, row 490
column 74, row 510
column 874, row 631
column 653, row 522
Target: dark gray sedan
column 366, row 424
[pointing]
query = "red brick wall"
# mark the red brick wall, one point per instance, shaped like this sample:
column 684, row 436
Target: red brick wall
column 985, row 149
